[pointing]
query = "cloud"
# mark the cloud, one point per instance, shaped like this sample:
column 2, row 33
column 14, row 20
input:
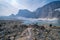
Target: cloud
column 8, row 7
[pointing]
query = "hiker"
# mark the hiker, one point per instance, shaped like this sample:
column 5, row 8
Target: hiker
column 50, row 25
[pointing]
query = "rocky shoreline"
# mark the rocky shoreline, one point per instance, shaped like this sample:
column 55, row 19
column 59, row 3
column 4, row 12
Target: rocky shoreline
column 11, row 30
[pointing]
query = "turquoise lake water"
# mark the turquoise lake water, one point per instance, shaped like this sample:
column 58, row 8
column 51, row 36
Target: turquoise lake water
column 40, row 22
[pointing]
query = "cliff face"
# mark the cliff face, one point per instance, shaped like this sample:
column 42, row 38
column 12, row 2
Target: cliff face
column 49, row 10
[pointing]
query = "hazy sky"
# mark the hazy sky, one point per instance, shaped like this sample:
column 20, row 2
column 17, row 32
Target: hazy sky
column 8, row 7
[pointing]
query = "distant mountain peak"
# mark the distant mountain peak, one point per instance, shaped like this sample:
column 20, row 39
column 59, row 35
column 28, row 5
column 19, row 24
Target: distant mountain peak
column 12, row 15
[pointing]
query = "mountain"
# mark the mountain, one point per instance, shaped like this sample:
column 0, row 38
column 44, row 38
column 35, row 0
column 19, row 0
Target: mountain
column 56, row 14
column 48, row 10
column 25, row 13
column 12, row 15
